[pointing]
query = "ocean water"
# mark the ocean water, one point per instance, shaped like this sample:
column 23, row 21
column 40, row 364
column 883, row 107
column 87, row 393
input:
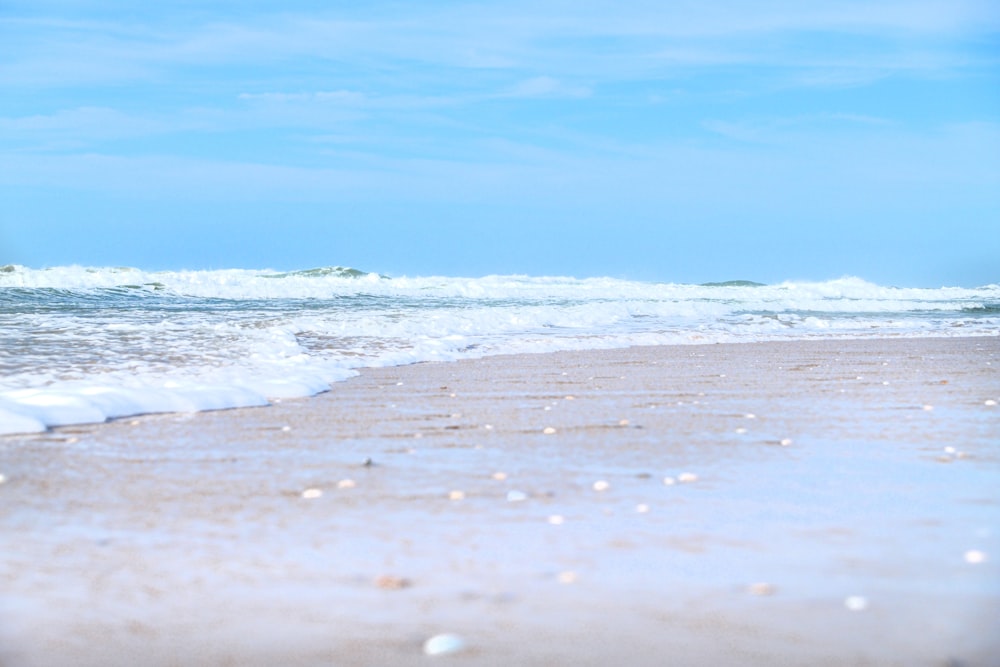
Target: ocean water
column 82, row 344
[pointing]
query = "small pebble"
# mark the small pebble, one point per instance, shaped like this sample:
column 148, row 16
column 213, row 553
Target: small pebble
column 309, row 494
column 856, row 603
column 444, row 644
column 500, row 476
column 761, row 588
column 975, row 557
column 570, row 398
column 741, row 431
column 488, row 427
column 785, row 442
column 928, row 408
column 3, row 478
column 990, row 402
column 456, row 495
column 392, row 583
column 516, row 496
column 601, row 485
column 623, row 422
column 346, row 484
column 669, row 481
column 642, row 508
column 687, row 477
column 750, row 415
column 548, row 430
column 557, row 520
column 286, row 429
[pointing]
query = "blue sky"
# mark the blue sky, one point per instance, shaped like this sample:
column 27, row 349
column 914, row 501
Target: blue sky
column 677, row 141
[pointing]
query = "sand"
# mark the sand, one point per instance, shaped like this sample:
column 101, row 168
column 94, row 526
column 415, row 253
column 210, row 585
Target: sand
column 802, row 503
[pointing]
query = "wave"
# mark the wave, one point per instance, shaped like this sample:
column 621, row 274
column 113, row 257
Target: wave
column 86, row 343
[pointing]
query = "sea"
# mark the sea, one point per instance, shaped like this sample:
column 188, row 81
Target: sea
column 89, row 344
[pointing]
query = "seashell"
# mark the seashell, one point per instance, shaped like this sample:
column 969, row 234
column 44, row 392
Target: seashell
column 856, row 603
column 974, row 557
column 601, row 485
column 548, row 430
column 444, row 644
column 687, row 477
column 310, row 494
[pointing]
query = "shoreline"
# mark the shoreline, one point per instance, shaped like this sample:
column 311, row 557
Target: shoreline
column 816, row 515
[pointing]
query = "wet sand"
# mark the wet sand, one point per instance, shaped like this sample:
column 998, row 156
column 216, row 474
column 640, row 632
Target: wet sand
column 808, row 503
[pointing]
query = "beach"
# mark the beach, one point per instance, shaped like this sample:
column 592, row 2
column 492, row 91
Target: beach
column 818, row 502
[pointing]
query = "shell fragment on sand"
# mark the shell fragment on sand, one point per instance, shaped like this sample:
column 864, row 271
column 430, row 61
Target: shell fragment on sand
column 444, row 644
column 856, row 603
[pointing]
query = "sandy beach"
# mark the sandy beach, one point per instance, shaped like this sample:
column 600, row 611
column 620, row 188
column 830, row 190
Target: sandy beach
column 797, row 503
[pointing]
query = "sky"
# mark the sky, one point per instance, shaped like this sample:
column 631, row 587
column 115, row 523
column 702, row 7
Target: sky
column 670, row 140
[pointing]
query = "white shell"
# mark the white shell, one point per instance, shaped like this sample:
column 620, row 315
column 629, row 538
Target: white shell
column 856, row 603
column 974, row 557
column 444, row 644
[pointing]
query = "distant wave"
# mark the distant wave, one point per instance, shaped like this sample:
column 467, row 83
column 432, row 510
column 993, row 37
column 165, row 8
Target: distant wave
column 734, row 283
column 323, row 272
